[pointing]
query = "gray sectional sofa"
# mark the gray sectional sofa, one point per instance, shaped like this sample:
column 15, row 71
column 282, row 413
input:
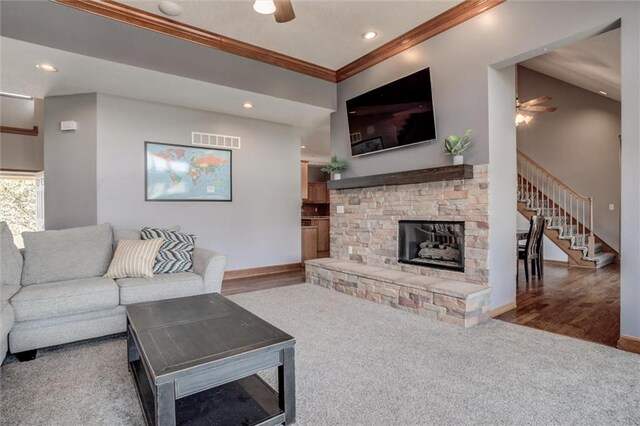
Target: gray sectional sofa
column 53, row 292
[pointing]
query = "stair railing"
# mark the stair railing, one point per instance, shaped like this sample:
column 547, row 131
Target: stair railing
column 551, row 197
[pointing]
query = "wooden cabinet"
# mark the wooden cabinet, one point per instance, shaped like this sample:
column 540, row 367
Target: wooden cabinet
column 317, row 193
column 309, row 242
column 304, row 179
column 323, row 235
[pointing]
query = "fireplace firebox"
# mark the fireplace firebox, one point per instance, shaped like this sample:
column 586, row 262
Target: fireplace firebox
column 436, row 244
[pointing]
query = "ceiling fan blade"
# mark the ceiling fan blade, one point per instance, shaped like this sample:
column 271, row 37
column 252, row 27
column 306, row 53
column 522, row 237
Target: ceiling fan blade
column 284, row 11
column 536, row 101
column 539, row 108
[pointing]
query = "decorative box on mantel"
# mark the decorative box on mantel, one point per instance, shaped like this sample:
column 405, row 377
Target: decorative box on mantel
column 367, row 231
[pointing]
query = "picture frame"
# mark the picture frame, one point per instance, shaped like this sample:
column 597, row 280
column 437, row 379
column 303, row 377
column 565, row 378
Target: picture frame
column 175, row 172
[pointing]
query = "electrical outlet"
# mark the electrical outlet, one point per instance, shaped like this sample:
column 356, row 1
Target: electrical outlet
column 350, row 250
column 612, row 207
column 340, row 209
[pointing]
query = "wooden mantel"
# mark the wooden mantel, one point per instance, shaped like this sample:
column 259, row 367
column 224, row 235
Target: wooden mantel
column 434, row 174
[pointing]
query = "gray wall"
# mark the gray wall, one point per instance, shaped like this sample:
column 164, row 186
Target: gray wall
column 70, row 162
column 260, row 227
column 460, row 61
column 578, row 144
column 19, row 152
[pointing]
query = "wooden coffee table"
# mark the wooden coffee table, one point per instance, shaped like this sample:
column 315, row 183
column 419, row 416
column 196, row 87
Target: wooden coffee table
column 194, row 361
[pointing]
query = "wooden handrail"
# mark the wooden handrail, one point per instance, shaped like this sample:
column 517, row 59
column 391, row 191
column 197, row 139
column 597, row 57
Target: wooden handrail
column 529, row 159
column 19, row 130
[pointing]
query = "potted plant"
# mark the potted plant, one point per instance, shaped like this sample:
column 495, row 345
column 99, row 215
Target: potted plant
column 336, row 167
column 456, row 145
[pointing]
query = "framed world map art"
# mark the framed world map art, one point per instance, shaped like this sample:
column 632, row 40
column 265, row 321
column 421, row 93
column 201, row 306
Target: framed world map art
column 186, row 173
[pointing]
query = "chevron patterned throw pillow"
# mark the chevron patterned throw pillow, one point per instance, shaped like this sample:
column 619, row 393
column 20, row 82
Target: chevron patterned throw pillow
column 176, row 253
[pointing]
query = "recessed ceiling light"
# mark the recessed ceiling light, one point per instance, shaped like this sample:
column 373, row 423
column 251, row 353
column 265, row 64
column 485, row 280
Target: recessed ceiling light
column 369, row 35
column 170, row 8
column 247, row 105
column 15, row 95
column 47, row 68
column 602, row 92
column 264, row 7
column 303, row 147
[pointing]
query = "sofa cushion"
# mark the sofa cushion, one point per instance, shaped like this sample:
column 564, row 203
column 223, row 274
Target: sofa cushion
column 163, row 286
column 6, row 319
column 65, row 298
column 176, row 252
column 7, row 291
column 10, row 257
column 68, row 254
column 134, row 259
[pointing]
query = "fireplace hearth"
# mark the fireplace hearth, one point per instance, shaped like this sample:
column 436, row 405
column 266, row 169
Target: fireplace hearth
column 434, row 244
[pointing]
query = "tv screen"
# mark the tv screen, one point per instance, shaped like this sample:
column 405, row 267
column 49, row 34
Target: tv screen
column 392, row 116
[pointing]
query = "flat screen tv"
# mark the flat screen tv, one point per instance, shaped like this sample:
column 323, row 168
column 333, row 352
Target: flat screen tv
column 395, row 115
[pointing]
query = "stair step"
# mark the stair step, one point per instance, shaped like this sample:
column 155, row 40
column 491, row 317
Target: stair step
column 601, row 260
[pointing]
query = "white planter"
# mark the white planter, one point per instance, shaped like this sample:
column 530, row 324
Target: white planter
column 458, row 159
column 337, row 176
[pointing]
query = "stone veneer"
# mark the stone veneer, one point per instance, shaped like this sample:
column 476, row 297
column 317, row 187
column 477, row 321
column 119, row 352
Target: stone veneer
column 454, row 302
column 369, row 223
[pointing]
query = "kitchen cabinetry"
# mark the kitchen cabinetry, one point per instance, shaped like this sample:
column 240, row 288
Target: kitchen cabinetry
column 309, row 242
column 317, row 193
column 322, row 224
column 304, row 179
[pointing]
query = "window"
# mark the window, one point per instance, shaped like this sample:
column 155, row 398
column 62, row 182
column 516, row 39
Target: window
column 22, row 202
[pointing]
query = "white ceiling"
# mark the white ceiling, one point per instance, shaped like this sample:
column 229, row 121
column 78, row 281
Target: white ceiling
column 325, row 32
column 593, row 64
column 84, row 74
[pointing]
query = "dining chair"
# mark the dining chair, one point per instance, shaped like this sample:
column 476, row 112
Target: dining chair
column 531, row 251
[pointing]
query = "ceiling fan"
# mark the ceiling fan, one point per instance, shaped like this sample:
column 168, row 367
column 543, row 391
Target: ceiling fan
column 282, row 10
column 532, row 105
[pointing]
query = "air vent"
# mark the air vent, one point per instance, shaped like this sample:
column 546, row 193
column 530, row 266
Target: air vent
column 218, row 141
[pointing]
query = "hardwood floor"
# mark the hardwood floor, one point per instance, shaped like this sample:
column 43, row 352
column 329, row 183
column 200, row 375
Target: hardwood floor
column 576, row 302
column 245, row 285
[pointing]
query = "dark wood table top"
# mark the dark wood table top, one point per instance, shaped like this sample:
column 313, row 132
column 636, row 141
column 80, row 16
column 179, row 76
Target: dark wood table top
column 178, row 334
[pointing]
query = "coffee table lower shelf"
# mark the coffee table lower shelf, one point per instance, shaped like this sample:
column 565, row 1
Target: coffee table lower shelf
column 249, row 401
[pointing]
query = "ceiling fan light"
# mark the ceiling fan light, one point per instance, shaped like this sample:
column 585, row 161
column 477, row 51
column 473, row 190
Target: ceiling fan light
column 264, row 7
column 522, row 118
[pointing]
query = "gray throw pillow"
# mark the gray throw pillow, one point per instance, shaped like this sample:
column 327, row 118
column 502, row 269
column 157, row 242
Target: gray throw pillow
column 176, row 252
column 10, row 258
column 67, row 254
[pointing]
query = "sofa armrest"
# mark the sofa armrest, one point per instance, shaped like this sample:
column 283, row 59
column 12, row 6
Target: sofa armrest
column 210, row 266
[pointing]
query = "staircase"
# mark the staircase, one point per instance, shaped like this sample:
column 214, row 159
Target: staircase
column 569, row 215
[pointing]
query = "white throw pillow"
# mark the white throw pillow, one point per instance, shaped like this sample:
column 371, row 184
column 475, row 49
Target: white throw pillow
column 134, row 258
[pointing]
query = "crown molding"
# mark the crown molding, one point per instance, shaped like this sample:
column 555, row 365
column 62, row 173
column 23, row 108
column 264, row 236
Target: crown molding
column 448, row 19
column 111, row 9
column 148, row 21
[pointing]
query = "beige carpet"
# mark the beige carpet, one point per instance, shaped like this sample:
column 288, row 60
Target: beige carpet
column 359, row 363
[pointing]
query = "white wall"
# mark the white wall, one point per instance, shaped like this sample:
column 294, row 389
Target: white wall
column 460, row 61
column 20, row 152
column 260, row 227
column 578, row 144
column 70, row 162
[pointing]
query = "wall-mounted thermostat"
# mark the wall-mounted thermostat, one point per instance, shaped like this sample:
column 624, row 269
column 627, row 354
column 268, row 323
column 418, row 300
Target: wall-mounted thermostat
column 68, row 125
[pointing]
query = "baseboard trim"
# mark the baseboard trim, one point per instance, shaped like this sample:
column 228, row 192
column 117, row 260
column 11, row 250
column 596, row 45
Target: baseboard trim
column 262, row 270
column 502, row 309
column 629, row 343
column 557, row 262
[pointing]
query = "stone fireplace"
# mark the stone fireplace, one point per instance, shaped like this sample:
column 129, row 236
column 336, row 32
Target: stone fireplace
column 416, row 241
column 431, row 243
column 367, row 231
